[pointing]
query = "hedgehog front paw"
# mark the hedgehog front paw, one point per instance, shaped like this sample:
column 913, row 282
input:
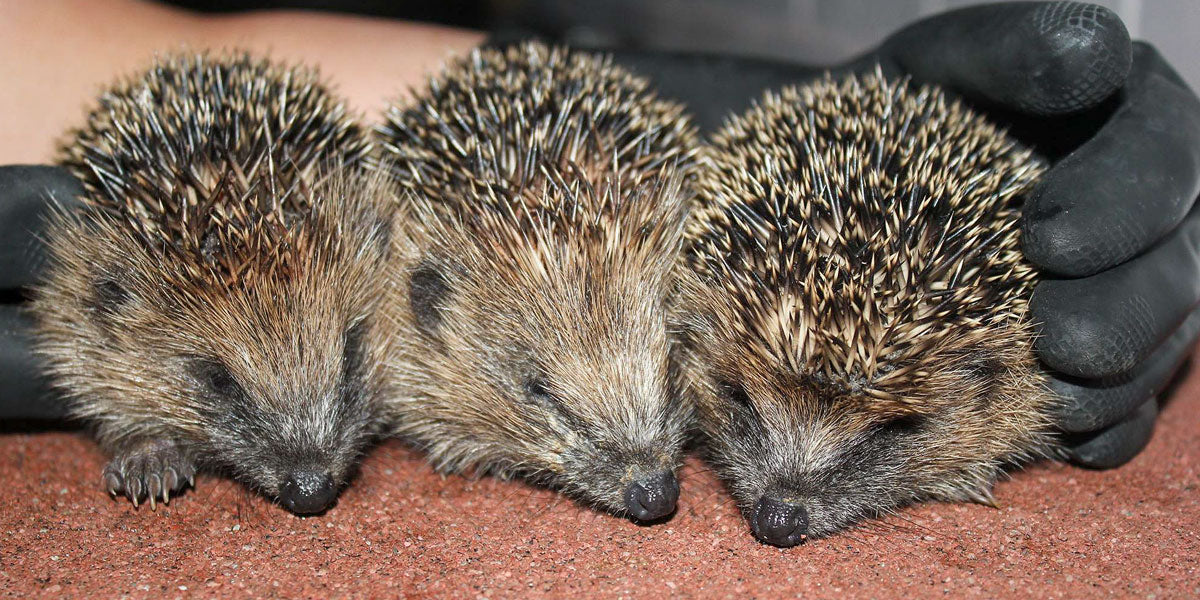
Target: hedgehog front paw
column 152, row 470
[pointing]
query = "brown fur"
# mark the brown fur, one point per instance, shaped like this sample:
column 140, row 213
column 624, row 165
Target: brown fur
column 213, row 303
column 548, row 209
column 854, row 328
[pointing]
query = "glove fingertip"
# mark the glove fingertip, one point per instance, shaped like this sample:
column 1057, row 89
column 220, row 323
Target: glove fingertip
column 1086, row 57
column 1080, row 412
column 1073, row 339
column 1050, row 237
column 1067, row 236
column 1118, row 444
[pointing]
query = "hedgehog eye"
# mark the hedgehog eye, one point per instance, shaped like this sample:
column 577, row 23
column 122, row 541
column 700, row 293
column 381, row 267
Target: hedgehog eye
column 353, row 350
column 538, row 392
column 985, row 368
column 735, row 393
column 902, row 426
column 984, row 374
column 745, row 422
column 427, row 290
column 215, row 377
column 108, row 296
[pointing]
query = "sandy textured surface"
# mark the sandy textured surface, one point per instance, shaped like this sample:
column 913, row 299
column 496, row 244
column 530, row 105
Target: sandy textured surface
column 402, row 530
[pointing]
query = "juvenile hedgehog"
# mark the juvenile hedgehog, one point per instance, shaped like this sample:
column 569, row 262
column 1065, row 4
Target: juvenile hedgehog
column 548, row 211
column 212, row 304
column 854, row 329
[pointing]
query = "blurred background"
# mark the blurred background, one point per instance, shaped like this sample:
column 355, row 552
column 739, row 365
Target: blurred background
column 809, row 31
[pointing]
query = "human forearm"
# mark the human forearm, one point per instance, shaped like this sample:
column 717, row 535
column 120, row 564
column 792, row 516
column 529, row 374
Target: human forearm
column 58, row 54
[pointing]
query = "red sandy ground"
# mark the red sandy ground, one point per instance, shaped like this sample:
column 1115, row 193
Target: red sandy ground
column 402, row 530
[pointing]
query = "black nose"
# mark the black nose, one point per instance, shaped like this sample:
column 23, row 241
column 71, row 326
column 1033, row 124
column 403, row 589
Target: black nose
column 779, row 523
column 652, row 497
column 307, row 492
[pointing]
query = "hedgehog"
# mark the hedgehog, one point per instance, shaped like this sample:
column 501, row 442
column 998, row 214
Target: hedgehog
column 548, row 194
column 213, row 303
column 852, row 322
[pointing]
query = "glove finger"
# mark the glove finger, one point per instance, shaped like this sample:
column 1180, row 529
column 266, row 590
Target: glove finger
column 1106, row 324
column 1041, row 58
column 1118, row 444
column 1090, row 404
column 1081, row 219
column 27, row 195
column 26, row 391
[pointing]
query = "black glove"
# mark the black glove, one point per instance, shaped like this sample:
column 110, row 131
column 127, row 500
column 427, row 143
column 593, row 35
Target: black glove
column 1115, row 220
column 27, row 194
column 1123, row 132
column 1122, row 274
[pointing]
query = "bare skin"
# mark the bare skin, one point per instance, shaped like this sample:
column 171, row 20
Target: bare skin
column 58, row 55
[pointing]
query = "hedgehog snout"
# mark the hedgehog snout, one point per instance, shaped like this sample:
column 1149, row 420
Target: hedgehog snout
column 307, row 491
column 779, row 523
column 652, row 497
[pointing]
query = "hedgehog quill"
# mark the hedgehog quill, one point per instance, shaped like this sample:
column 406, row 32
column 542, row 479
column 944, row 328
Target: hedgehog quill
column 854, row 326
column 549, row 195
column 213, row 303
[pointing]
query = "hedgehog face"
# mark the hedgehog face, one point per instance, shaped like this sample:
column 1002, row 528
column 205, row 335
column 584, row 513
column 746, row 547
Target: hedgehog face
column 854, row 324
column 283, row 386
column 550, row 359
column 547, row 216
column 215, row 296
column 274, row 376
column 806, row 454
column 564, row 379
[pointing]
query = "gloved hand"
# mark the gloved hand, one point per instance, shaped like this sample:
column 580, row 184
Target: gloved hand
column 1123, row 132
column 1115, row 221
column 1122, row 274
column 27, row 194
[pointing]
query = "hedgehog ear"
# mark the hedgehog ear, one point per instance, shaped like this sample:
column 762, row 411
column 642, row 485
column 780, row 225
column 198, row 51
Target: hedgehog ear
column 380, row 223
column 382, row 237
column 109, row 295
column 427, row 292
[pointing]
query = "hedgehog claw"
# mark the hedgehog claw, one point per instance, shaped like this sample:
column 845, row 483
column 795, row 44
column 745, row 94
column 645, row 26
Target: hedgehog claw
column 112, row 482
column 170, row 479
column 154, row 488
column 151, row 470
column 133, row 488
